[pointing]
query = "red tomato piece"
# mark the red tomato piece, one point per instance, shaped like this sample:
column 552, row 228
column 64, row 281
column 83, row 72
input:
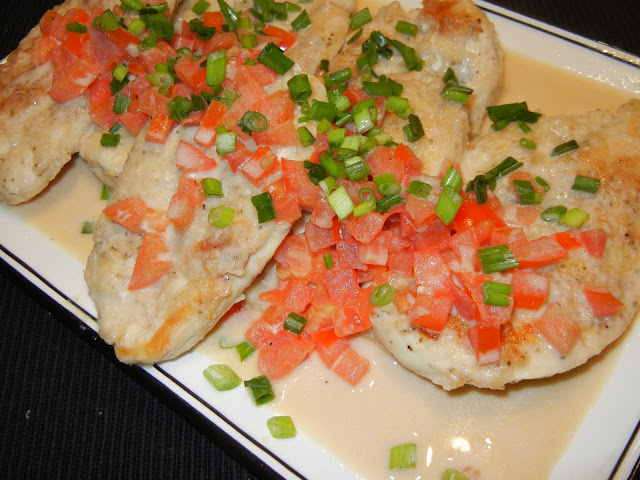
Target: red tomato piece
column 213, row 19
column 282, row 354
column 298, row 183
column 206, row 133
column 408, row 158
column 462, row 301
column 322, row 215
column 74, row 81
column 41, row 50
column 191, row 188
column 542, row 252
column 348, row 257
column 569, row 240
column 134, row 119
column 288, row 39
column 601, row 301
column 52, row 25
column 485, row 341
column 190, row 158
column 365, row 228
column 352, row 366
column 259, row 165
column 530, row 290
column 151, row 263
column 293, row 256
column 421, row 210
column 122, row 37
column 190, row 71
column 431, row 311
column 376, row 252
column 129, row 213
column 181, row 211
column 470, row 214
column 594, row 241
column 354, row 317
column 293, row 296
column 159, row 128
column 342, row 285
column 321, row 238
column 155, row 55
column 329, row 345
column 558, row 328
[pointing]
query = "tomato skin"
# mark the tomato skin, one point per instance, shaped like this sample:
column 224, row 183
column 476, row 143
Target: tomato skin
column 601, row 301
column 558, row 328
column 470, row 214
column 151, row 264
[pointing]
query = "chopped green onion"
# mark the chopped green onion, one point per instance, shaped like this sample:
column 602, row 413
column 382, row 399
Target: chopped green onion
column 106, row 192
column 397, row 104
column 354, row 37
column 403, row 456
column 87, row 228
column 216, row 67
column 253, row 122
column 202, row 32
column 248, row 40
column 107, row 21
column 363, row 208
column 340, row 202
column 387, row 184
column 456, row 93
column 449, row 76
column 250, row 62
column 334, row 167
column 357, row 169
column 340, row 100
column 226, row 143
column 365, row 194
column 586, row 184
column 230, row 16
column 324, row 125
column 137, row 27
column 212, row 187
column 505, row 167
column 200, row 7
column 135, row 5
column 221, row 216
column 413, row 131
column 328, row 185
column 574, row 218
column 387, row 203
column 503, row 115
column 221, row 377
column 363, row 120
column 553, row 214
column 299, row 88
column 541, row 181
column 407, row 28
column 383, row 87
column 382, row 295
column 565, row 147
column 448, row 204
column 360, row 18
column 281, row 427
column 527, row 143
column 339, row 76
column 121, row 103
column 261, row 389
column 160, row 79
column 76, row 27
column 306, row 138
column 452, row 179
column 198, row 103
column 497, row 259
column 245, row 349
column 411, row 59
column 264, row 207
column 336, row 136
column 179, row 108
column 453, row 474
column 294, row 323
column 528, row 196
column 328, row 261
column 301, row 22
column 322, row 110
column 524, row 127
column 419, row 189
column 324, row 65
column 481, row 182
column 110, row 139
column 495, row 293
column 272, row 57
column 317, row 173
column 292, row 7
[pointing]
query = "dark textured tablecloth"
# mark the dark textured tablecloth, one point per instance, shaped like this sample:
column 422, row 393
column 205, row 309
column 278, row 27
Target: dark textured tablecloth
column 69, row 410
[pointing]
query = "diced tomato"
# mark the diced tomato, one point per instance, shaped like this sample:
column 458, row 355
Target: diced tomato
column 102, row 113
column 52, row 25
column 365, row 228
column 530, row 290
column 191, row 159
column 260, row 164
column 220, row 41
column 288, row 39
column 487, row 315
column 355, row 94
column 342, row 285
column 73, row 42
column 353, row 318
column 191, row 188
column 155, row 55
column 74, row 81
column 100, row 91
column 347, row 254
column 103, row 52
column 485, row 341
column 321, row 238
column 206, row 133
column 294, row 296
column 41, row 50
column 514, row 238
column 470, row 214
column 376, row 252
column 601, row 301
column 134, row 119
column 153, row 102
column 294, row 256
column 352, row 366
column 569, row 240
column 383, row 160
column 542, row 252
column 213, row 19
column 558, row 328
column 285, row 204
column 151, row 263
column 159, row 128
column 237, row 158
column 431, row 311
column 262, row 331
column 129, row 213
column 282, row 354
column 408, row 158
column 322, row 215
column 420, row 210
column 190, row 71
column 298, row 183
column 527, row 214
column 329, row 345
column 594, row 241
column 431, row 271
column 462, row 301
column 181, row 211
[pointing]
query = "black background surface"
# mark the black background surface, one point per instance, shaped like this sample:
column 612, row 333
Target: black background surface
column 68, row 409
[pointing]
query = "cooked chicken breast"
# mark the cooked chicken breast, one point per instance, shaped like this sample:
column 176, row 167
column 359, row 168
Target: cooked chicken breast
column 609, row 149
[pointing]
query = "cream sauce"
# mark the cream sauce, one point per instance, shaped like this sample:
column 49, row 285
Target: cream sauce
column 519, row 433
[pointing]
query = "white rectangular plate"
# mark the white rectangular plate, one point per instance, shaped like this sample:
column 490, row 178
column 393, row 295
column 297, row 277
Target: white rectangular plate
column 606, row 444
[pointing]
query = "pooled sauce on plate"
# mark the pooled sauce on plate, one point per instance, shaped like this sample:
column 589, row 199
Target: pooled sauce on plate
column 519, row 433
